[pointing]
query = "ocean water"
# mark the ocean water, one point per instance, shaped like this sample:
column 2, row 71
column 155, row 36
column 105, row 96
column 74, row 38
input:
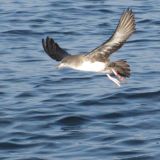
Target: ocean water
column 50, row 114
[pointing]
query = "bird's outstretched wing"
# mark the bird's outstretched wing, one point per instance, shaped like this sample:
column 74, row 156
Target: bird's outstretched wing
column 125, row 28
column 53, row 49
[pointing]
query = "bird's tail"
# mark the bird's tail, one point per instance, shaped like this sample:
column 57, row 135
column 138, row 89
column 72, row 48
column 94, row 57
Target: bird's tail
column 121, row 67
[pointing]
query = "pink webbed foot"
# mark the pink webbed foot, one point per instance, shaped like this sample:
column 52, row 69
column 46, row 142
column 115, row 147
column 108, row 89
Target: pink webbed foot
column 118, row 76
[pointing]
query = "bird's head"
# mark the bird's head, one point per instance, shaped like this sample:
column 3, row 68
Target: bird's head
column 64, row 63
column 61, row 65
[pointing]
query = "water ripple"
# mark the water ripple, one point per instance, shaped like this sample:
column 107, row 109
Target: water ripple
column 72, row 120
column 47, row 113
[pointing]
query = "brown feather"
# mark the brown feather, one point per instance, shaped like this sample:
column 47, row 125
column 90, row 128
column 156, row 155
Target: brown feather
column 125, row 28
column 53, row 49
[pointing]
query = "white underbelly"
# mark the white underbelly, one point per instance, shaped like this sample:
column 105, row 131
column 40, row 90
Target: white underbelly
column 92, row 67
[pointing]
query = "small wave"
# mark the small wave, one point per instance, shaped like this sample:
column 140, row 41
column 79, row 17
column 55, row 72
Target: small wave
column 30, row 60
column 21, row 32
column 105, row 11
column 2, row 93
column 40, row 20
column 128, row 113
column 6, row 122
column 134, row 142
column 145, row 21
column 120, row 98
column 12, row 145
column 62, row 33
column 72, row 120
column 132, row 96
column 143, row 40
column 25, row 94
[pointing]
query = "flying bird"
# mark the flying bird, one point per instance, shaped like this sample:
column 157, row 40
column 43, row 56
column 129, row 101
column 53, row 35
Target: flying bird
column 98, row 60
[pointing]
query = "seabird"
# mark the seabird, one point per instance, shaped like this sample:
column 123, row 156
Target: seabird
column 97, row 60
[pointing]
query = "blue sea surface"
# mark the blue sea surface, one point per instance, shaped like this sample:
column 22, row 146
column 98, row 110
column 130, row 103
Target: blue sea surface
column 51, row 114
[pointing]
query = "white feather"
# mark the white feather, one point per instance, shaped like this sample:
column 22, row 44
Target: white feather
column 92, row 67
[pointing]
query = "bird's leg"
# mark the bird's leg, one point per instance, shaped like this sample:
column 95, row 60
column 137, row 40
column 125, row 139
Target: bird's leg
column 117, row 75
column 117, row 82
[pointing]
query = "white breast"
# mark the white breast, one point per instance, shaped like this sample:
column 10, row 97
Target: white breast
column 92, row 67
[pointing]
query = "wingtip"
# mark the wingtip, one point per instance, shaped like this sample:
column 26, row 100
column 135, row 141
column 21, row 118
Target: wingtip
column 129, row 10
column 44, row 46
column 129, row 16
column 42, row 40
column 53, row 49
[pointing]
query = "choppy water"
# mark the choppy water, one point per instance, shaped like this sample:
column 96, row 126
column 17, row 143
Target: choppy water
column 47, row 114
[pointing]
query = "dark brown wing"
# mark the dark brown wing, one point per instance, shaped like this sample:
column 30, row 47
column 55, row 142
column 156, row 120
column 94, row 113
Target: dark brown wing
column 53, row 49
column 125, row 28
